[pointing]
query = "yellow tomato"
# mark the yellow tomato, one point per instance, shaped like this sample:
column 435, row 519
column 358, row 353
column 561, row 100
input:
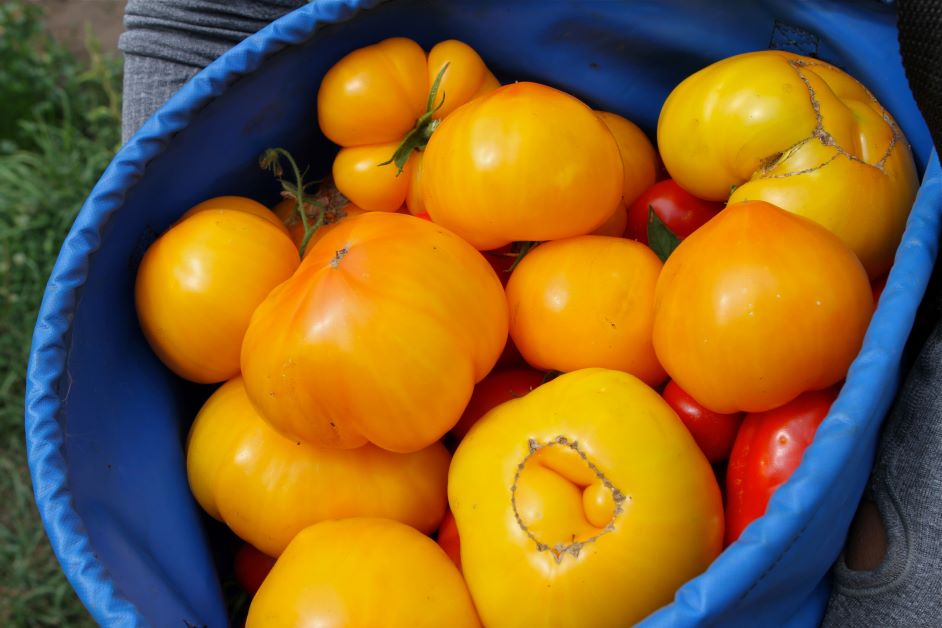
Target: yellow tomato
column 758, row 306
column 525, row 162
column 584, row 302
column 584, row 503
column 268, row 488
column 800, row 134
column 376, row 96
column 199, row 283
column 380, row 335
column 638, row 157
column 362, row 572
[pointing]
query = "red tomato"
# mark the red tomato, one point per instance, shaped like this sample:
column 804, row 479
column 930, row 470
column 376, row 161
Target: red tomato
column 877, row 288
column 682, row 212
column 493, row 390
column 448, row 539
column 251, row 567
column 768, row 449
column 714, row 432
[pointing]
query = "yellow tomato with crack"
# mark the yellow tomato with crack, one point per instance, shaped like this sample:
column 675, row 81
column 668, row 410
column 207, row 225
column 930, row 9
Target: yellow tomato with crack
column 798, row 133
column 585, row 503
column 381, row 97
column 267, row 487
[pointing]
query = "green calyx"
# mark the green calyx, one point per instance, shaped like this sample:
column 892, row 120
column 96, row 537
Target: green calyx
column 418, row 137
column 661, row 239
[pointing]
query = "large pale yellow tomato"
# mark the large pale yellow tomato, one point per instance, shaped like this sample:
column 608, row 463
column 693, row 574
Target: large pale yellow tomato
column 525, row 162
column 584, row 503
column 758, row 306
column 362, row 572
column 800, row 134
column 380, row 336
column 199, row 283
column 586, row 301
column 379, row 96
column 268, row 488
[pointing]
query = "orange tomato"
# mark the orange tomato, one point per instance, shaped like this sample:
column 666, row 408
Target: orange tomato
column 584, row 503
column 638, row 157
column 363, row 572
column 199, row 283
column 380, row 336
column 376, row 97
column 525, row 162
column 758, row 306
column 798, row 133
column 616, row 224
column 267, row 488
column 584, row 302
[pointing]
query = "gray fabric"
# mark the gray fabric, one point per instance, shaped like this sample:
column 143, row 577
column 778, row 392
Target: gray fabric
column 906, row 485
column 166, row 42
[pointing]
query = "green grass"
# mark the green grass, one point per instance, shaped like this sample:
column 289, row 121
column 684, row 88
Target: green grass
column 59, row 127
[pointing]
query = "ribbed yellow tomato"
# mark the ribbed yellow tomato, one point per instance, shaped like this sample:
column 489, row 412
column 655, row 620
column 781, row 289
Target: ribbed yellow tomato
column 380, row 336
column 370, row 100
column 199, row 283
column 800, row 134
column 268, row 488
column 362, row 572
column 584, row 302
column 758, row 306
column 525, row 162
column 584, row 503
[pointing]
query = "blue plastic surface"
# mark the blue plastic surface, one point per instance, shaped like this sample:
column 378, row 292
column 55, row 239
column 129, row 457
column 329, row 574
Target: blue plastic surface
column 106, row 422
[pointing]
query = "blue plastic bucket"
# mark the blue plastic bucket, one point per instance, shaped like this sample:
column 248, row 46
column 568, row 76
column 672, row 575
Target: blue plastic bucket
column 106, row 422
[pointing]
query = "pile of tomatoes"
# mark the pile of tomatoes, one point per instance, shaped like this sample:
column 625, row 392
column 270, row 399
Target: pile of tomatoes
column 502, row 326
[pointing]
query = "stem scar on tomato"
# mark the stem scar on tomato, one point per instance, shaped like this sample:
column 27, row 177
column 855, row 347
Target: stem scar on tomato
column 418, row 137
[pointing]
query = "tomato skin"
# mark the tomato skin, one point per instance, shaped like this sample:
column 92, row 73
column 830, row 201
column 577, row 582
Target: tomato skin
column 286, row 211
column 584, row 302
column 508, row 195
column 380, row 336
column 616, row 223
column 362, row 572
column 767, row 451
column 448, row 539
column 516, row 474
column 251, row 566
column 679, row 210
column 493, row 390
column 638, row 156
column 714, row 432
column 373, row 97
column 267, row 488
column 200, row 281
column 758, row 306
column 800, row 134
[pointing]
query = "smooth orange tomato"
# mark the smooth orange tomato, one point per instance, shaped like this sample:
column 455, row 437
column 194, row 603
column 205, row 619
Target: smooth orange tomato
column 584, row 503
column 267, row 488
column 616, row 223
column 638, row 157
column 525, row 162
column 199, row 283
column 800, row 134
column 363, row 572
column 758, row 306
column 380, row 336
column 584, row 302
column 370, row 100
